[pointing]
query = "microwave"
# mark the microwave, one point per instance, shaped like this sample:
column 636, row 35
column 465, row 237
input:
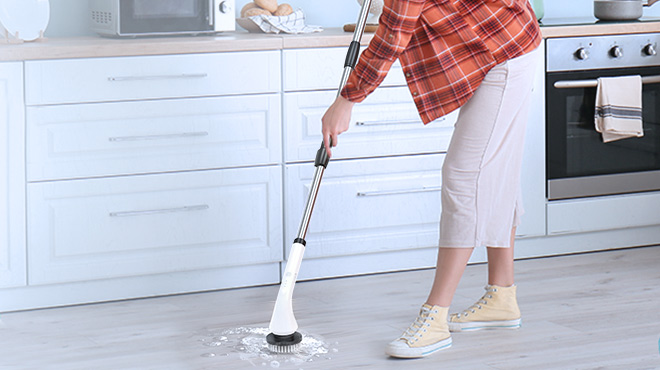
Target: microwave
column 132, row 18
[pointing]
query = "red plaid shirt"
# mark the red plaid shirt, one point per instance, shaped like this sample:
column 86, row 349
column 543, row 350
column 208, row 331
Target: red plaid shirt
column 446, row 47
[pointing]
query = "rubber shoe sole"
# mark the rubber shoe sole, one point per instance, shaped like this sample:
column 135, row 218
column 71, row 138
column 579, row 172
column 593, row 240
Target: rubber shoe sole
column 400, row 349
column 481, row 325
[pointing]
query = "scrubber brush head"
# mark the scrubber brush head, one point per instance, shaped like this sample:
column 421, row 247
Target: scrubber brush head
column 284, row 343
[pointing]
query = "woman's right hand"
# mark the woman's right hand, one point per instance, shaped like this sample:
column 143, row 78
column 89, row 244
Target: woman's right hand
column 335, row 121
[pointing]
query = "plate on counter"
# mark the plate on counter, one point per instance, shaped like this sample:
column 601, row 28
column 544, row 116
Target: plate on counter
column 25, row 19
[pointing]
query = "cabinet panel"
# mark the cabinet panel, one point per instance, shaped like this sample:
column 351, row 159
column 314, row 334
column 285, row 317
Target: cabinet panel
column 321, row 69
column 367, row 206
column 85, row 140
column 149, row 77
column 386, row 123
column 603, row 213
column 12, row 176
column 129, row 226
column 533, row 180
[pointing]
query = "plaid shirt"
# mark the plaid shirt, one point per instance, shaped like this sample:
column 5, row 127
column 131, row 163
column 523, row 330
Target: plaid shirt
column 446, row 47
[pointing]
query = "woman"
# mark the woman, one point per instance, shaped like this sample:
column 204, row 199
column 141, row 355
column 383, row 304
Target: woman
column 479, row 55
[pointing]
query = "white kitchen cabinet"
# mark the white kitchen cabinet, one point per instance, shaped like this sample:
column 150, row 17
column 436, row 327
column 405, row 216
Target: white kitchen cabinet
column 82, row 230
column 123, row 138
column 151, row 77
column 367, row 206
column 385, row 124
column 533, row 166
column 12, row 177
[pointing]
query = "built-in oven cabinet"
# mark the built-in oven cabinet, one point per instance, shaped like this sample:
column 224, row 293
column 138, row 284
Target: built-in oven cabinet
column 123, row 138
column 83, row 230
column 12, row 177
column 370, row 214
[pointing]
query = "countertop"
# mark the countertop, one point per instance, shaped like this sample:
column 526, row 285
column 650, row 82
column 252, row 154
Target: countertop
column 90, row 47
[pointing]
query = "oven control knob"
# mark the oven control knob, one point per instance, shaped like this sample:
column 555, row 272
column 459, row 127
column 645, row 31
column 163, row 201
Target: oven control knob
column 616, row 52
column 581, row 54
column 649, row 50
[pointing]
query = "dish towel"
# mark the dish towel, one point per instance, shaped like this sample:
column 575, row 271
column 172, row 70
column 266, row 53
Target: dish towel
column 292, row 23
column 619, row 108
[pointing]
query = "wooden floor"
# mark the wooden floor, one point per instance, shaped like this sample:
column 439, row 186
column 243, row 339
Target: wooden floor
column 590, row 311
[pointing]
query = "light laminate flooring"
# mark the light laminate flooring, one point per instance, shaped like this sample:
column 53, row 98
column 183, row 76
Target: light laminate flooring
column 588, row 311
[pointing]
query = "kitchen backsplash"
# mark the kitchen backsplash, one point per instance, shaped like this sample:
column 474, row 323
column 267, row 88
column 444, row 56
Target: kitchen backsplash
column 69, row 17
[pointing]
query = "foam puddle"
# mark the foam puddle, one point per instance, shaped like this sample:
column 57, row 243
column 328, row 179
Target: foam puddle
column 249, row 344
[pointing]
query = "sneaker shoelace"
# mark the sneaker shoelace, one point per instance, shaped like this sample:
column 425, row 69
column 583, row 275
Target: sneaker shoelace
column 418, row 328
column 479, row 303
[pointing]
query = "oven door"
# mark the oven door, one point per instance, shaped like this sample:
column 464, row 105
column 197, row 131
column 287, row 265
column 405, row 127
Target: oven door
column 159, row 17
column 579, row 163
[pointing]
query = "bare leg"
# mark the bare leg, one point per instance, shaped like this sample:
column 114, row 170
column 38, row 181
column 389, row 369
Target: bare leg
column 449, row 269
column 500, row 264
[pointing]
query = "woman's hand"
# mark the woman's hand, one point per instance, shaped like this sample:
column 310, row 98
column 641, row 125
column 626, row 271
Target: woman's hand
column 335, row 121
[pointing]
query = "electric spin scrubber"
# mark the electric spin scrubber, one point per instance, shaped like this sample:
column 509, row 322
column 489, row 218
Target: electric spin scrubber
column 283, row 337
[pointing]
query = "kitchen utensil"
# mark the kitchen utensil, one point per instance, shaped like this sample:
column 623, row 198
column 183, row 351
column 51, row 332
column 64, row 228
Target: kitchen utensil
column 283, row 337
column 25, row 19
column 620, row 10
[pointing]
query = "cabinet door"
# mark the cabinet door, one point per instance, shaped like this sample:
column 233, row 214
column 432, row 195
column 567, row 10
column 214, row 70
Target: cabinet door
column 85, row 140
column 386, row 123
column 81, row 230
column 367, row 206
column 12, row 176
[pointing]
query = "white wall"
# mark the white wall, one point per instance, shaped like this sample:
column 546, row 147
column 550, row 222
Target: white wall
column 69, row 17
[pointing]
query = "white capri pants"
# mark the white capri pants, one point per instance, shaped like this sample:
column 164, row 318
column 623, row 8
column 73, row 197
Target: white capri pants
column 481, row 198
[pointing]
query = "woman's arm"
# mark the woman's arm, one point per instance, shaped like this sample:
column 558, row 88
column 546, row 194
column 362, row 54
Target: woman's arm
column 396, row 26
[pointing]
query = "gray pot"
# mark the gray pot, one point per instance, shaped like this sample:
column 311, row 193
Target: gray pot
column 620, row 10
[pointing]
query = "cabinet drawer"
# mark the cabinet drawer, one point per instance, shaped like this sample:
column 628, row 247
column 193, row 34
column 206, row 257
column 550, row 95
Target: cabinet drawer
column 85, row 140
column 128, row 226
column 367, row 206
column 149, row 77
column 316, row 69
column 386, row 123
column 603, row 213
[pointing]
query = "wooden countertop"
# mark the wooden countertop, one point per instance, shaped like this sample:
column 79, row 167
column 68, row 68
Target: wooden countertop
column 599, row 29
column 91, row 47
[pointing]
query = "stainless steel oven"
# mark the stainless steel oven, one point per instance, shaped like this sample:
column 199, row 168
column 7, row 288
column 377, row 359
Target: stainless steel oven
column 579, row 163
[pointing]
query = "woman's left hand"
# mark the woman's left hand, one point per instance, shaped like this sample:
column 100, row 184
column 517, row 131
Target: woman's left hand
column 335, row 121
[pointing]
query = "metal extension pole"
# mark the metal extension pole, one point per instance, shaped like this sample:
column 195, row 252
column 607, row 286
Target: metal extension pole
column 322, row 158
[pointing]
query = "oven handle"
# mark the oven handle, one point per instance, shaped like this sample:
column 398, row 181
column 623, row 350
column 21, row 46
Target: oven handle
column 593, row 83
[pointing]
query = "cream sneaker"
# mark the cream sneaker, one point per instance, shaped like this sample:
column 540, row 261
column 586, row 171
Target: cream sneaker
column 497, row 309
column 428, row 334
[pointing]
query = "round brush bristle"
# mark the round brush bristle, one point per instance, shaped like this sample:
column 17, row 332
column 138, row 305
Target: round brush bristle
column 284, row 343
column 276, row 348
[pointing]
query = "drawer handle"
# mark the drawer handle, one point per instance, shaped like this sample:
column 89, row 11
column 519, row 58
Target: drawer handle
column 158, row 137
column 157, row 77
column 397, row 192
column 384, row 123
column 159, row 211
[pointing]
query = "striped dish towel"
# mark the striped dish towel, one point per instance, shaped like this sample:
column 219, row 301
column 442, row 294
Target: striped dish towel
column 292, row 23
column 619, row 108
